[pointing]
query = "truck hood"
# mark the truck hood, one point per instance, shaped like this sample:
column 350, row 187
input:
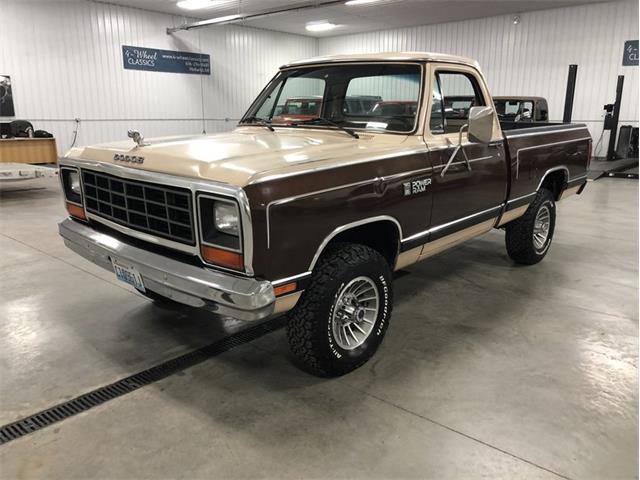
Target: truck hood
column 245, row 155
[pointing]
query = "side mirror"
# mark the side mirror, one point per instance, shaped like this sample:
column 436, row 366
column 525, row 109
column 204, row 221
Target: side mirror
column 480, row 124
column 480, row 128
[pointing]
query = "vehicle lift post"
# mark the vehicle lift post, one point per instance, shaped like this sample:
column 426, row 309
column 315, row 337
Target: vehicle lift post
column 569, row 95
column 611, row 120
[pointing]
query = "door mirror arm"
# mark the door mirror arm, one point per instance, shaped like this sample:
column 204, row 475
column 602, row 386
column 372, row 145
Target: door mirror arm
column 456, row 150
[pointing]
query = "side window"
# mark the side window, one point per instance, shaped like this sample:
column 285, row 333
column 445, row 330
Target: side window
column 460, row 91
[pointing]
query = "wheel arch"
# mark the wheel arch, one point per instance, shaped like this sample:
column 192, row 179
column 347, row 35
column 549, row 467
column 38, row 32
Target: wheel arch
column 556, row 180
column 382, row 233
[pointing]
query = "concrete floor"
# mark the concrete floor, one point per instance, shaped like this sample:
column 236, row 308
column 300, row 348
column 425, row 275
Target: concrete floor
column 488, row 369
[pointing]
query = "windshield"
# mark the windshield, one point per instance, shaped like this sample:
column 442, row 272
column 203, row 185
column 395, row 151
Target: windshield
column 382, row 97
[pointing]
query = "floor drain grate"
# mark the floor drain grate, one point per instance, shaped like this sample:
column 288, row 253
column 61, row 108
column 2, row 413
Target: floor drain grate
column 84, row 402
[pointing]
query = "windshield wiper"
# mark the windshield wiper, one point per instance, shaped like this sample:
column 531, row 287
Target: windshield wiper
column 326, row 121
column 259, row 121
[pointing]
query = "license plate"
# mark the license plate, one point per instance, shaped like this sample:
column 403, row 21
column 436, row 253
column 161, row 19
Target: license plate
column 127, row 274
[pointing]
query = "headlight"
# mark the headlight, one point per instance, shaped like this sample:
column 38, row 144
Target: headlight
column 71, row 184
column 226, row 218
column 74, row 182
column 70, row 178
column 220, row 232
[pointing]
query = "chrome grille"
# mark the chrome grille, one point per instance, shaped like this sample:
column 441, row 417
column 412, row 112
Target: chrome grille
column 163, row 211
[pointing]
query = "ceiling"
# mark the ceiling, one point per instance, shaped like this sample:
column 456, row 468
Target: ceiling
column 382, row 14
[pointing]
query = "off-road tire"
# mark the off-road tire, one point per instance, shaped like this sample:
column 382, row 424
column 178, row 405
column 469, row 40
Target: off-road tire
column 519, row 233
column 309, row 328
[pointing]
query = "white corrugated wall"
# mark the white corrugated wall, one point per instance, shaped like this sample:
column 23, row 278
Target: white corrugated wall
column 533, row 57
column 65, row 62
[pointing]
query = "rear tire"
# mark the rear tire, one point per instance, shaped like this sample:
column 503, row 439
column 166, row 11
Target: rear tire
column 529, row 237
column 341, row 318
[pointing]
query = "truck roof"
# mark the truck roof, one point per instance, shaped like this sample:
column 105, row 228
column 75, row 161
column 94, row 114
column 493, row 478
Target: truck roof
column 386, row 57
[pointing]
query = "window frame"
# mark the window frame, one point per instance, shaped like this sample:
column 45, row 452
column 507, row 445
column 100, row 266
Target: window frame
column 436, row 82
column 475, row 84
column 440, row 140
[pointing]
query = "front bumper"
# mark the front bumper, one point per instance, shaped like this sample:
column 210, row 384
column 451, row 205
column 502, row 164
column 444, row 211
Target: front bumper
column 238, row 297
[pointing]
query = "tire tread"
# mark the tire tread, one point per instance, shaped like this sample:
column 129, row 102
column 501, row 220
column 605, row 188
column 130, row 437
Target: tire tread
column 519, row 233
column 303, row 321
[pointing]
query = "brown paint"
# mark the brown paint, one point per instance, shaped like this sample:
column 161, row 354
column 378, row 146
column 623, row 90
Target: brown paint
column 299, row 219
column 530, row 158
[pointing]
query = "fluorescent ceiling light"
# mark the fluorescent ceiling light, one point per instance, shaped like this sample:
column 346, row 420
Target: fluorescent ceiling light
column 226, row 18
column 196, row 4
column 214, row 21
column 360, row 2
column 320, row 26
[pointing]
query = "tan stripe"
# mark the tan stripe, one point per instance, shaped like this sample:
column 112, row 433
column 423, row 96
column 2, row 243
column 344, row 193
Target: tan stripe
column 454, row 239
column 513, row 214
column 407, row 258
column 429, row 249
column 569, row 191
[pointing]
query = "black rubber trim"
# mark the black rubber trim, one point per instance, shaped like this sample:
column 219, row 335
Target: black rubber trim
column 87, row 401
column 450, row 229
column 518, row 202
column 575, row 182
column 581, row 188
column 405, row 246
column 461, row 225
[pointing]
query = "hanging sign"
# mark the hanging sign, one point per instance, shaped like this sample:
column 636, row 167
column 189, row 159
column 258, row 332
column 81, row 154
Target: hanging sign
column 630, row 57
column 154, row 60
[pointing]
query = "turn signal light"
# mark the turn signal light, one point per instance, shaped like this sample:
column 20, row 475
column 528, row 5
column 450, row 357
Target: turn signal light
column 221, row 257
column 286, row 288
column 76, row 211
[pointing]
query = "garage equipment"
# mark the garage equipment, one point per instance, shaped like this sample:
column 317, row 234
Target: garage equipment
column 611, row 119
column 12, row 172
column 570, row 93
column 627, row 142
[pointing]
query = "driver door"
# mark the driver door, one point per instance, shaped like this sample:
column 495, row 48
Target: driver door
column 472, row 189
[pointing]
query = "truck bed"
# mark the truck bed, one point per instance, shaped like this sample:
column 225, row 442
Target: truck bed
column 536, row 150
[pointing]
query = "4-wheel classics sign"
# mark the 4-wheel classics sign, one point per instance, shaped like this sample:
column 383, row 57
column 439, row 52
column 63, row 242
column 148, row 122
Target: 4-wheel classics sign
column 630, row 56
column 154, row 60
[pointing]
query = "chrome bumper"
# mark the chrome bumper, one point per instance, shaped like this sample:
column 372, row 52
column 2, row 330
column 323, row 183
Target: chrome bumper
column 238, row 297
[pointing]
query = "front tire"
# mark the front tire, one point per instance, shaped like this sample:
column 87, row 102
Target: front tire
column 528, row 238
column 341, row 318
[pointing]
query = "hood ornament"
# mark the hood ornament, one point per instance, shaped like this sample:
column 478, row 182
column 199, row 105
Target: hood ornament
column 137, row 137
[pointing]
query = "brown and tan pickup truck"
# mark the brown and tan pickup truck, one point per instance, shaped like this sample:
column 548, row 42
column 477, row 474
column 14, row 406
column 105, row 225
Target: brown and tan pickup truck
column 310, row 217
